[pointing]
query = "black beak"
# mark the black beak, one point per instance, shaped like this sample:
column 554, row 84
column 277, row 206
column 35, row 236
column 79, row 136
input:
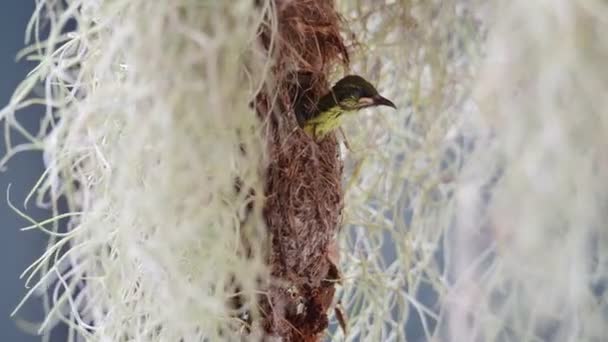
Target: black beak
column 382, row 101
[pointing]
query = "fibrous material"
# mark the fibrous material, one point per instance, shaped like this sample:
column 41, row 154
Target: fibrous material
column 197, row 209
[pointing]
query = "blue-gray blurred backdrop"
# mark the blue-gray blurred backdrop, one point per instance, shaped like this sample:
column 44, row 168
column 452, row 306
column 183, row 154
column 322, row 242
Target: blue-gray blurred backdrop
column 18, row 249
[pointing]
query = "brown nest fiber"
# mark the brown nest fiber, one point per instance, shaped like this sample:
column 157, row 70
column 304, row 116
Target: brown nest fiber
column 303, row 177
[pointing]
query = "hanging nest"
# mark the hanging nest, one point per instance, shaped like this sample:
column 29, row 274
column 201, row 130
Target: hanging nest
column 304, row 198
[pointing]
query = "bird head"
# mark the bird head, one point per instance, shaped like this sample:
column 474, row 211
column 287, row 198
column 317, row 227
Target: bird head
column 354, row 92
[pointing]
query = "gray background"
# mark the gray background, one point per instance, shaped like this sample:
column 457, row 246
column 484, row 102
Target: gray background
column 18, row 249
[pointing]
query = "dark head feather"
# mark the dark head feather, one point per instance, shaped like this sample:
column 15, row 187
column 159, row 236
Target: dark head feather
column 351, row 86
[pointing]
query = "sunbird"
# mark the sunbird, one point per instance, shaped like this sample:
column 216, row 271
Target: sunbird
column 348, row 95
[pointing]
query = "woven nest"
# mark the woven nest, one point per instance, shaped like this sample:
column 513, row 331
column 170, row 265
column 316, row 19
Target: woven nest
column 303, row 178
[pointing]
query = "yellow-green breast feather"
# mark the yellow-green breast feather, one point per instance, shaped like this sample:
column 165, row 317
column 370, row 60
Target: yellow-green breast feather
column 324, row 123
column 327, row 121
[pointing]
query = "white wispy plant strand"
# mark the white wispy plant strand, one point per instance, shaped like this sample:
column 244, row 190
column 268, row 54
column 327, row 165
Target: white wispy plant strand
column 401, row 167
column 147, row 112
column 479, row 205
column 540, row 94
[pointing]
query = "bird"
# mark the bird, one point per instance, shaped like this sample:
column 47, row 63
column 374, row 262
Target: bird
column 348, row 95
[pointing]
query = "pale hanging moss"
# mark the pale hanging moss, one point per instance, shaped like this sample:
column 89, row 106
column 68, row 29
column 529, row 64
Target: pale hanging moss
column 402, row 167
column 485, row 191
column 540, row 93
column 147, row 115
column 478, row 212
